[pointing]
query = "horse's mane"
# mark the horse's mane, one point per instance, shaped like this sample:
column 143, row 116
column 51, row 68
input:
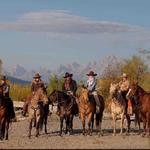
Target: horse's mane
column 61, row 93
column 141, row 90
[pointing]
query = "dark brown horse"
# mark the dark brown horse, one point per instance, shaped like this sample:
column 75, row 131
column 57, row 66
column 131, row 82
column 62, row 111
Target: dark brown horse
column 66, row 107
column 87, row 108
column 5, row 116
column 144, row 105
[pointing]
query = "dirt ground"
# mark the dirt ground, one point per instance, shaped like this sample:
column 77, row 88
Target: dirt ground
column 18, row 137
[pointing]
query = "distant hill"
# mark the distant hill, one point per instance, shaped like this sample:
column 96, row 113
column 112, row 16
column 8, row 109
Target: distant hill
column 18, row 81
column 23, row 76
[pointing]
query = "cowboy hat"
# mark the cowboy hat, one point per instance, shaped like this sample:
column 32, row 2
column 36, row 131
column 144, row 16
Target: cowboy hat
column 3, row 77
column 124, row 75
column 68, row 75
column 37, row 75
column 91, row 73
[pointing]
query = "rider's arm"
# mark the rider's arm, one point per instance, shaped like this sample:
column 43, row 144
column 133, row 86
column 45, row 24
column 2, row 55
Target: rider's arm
column 74, row 87
column 32, row 88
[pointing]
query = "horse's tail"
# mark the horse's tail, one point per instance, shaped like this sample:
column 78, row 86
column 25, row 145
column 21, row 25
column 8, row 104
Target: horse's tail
column 99, row 116
column 98, row 119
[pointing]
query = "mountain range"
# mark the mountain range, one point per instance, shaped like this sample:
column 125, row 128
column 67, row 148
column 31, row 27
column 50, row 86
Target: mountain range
column 18, row 72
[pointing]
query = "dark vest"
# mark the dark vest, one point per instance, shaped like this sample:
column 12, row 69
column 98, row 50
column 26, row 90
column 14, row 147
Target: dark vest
column 72, row 87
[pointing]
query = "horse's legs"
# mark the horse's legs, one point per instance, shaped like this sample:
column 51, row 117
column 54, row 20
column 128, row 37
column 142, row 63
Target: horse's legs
column 7, row 128
column 128, row 123
column 3, row 123
column 61, row 124
column 144, row 123
column 99, row 123
column 114, row 123
column 45, row 122
column 46, row 112
column 3, row 129
column 71, row 123
column 121, row 123
column 38, row 119
column 82, row 115
column 90, row 118
column 67, row 125
column 69, row 120
column 147, row 124
column 0, row 131
column 30, row 128
column 137, row 118
column 92, row 124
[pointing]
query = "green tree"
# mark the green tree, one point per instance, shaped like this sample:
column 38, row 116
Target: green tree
column 135, row 68
column 55, row 83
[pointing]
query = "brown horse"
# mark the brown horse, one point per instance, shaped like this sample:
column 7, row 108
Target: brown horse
column 36, row 110
column 66, row 107
column 144, row 105
column 5, row 117
column 87, row 108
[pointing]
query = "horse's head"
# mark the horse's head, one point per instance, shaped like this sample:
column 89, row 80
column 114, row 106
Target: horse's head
column 54, row 96
column 133, row 90
column 84, row 96
column 41, row 94
column 114, row 87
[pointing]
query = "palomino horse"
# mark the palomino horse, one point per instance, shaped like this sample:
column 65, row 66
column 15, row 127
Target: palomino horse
column 87, row 108
column 5, row 116
column 144, row 105
column 118, row 107
column 66, row 108
column 36, row 110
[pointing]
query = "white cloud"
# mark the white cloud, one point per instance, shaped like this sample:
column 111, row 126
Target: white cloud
column 64, row 22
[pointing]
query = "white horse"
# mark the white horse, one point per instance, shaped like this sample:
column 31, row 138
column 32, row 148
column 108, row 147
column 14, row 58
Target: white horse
column 118, row 107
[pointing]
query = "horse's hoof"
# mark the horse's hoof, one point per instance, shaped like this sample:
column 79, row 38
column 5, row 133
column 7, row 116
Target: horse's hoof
column 143, row 135
column 29, row 137
column 45, row 131
column 100, row 134
column 84, row 134
column 90, row 134
column 114, row 134
column 36, row 135
column 121, row 134
column 68, row 133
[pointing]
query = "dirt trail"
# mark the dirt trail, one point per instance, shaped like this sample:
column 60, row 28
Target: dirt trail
column 18, row 137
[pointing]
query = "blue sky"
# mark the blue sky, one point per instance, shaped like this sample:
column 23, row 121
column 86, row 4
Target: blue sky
column 46, row 33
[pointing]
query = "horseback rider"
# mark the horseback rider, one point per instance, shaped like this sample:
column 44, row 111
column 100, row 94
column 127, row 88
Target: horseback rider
column 70, row 88
column 35, row 85
column 6, row 90
column 91, row 86
column 124, row 88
